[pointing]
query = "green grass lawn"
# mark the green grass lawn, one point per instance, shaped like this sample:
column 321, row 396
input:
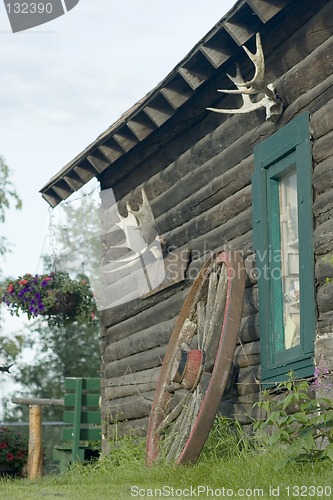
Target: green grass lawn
column 123, row 475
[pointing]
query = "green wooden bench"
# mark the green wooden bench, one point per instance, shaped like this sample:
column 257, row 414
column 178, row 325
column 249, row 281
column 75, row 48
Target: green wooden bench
column 82, row 418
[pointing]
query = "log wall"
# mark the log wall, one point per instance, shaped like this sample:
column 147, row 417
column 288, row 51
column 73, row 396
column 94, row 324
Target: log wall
column 202, row 202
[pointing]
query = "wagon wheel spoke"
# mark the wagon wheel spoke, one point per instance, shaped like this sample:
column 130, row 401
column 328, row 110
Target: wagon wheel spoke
column 197, row 362
column 173, row 414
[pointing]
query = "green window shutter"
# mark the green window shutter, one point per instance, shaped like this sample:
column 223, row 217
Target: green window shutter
column 289, row 149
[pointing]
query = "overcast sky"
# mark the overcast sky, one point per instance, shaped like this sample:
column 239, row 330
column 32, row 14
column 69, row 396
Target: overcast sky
column 65, row 82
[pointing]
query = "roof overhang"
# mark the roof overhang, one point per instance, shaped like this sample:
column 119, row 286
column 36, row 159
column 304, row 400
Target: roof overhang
column 239, row 25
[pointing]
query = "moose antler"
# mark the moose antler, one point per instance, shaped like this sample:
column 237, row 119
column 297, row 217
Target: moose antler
column 139, row 231
column 255, row 86
column 145, row 217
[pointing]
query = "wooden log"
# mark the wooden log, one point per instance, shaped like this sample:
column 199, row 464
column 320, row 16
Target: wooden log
column 325, row 297
column 244, row 413
column 200, row 253
column 38, row 401
column 131, row 407
column 298, row 80
column 323, row 148
column 216, row 217
column 175, row 266
column 311, row 101
column 233, row 155
column 296, row 48
column 220, row 188
column 247, row 354
column 293, row 50
column 140, row 314
column 248, row 380
column 144, row 377
column 128, row 390
column 321, row 120
column 247, row 398
column 143, row 340
column 325, row 323
column 306, row 28
column 323, row 238
column 35, row 453
column 223, row 236
column 136, row 427
column 242, row 243
column 324, row 269
column 136, row 363
column 249, row 328
column 323, row 207
column 209, row 146
column 323, row 176
column 251, row 270
column 251, row 304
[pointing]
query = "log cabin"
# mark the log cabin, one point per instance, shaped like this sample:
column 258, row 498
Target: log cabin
column 259, row 181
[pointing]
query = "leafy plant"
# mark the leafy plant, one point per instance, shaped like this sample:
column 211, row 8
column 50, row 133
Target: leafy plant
column 226, row 439
column 300, row 422
column 13, row 448
column 47, row 294
column 124, row 450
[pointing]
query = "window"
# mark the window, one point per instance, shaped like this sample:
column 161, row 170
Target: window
column 283, row 241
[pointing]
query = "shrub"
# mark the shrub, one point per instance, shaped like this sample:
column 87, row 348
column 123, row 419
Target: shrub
column 13, row 449
column 301, row 422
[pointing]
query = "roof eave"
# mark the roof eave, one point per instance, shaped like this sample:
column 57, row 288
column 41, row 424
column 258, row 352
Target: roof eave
column 208, row 56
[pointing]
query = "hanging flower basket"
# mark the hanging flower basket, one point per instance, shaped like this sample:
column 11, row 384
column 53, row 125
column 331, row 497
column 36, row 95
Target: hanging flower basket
column 55, row 295
column 64, row 303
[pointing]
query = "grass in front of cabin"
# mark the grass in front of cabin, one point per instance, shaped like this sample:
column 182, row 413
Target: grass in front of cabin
column 229, row 467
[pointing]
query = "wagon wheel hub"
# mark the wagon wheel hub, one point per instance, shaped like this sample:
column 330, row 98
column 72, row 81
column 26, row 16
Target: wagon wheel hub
column 187, row 368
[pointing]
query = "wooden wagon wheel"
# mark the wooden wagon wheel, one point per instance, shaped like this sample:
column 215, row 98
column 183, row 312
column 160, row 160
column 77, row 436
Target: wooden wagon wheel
column 197, row 362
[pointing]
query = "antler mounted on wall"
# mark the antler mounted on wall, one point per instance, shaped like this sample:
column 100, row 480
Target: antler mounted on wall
column 255, row 86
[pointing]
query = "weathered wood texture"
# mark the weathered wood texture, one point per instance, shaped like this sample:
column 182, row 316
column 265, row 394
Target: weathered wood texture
column 38, row 401
column 218, row 190
column 128, row 427
column 202, row 201
column 123, row 320
column 299, row 80
column 153, row 336
column 323, row 207
column 130, row 407
column 323, row 238
column 35, row 452
column 247, row 354
column 136, row 363
column 323, row 176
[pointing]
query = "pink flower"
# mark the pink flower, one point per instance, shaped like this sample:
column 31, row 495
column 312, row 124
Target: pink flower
column 10, row 457
column 10, row 287
column 22, row 282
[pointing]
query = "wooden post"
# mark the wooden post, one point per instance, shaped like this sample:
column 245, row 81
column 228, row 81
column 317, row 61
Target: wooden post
column 35, row 456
